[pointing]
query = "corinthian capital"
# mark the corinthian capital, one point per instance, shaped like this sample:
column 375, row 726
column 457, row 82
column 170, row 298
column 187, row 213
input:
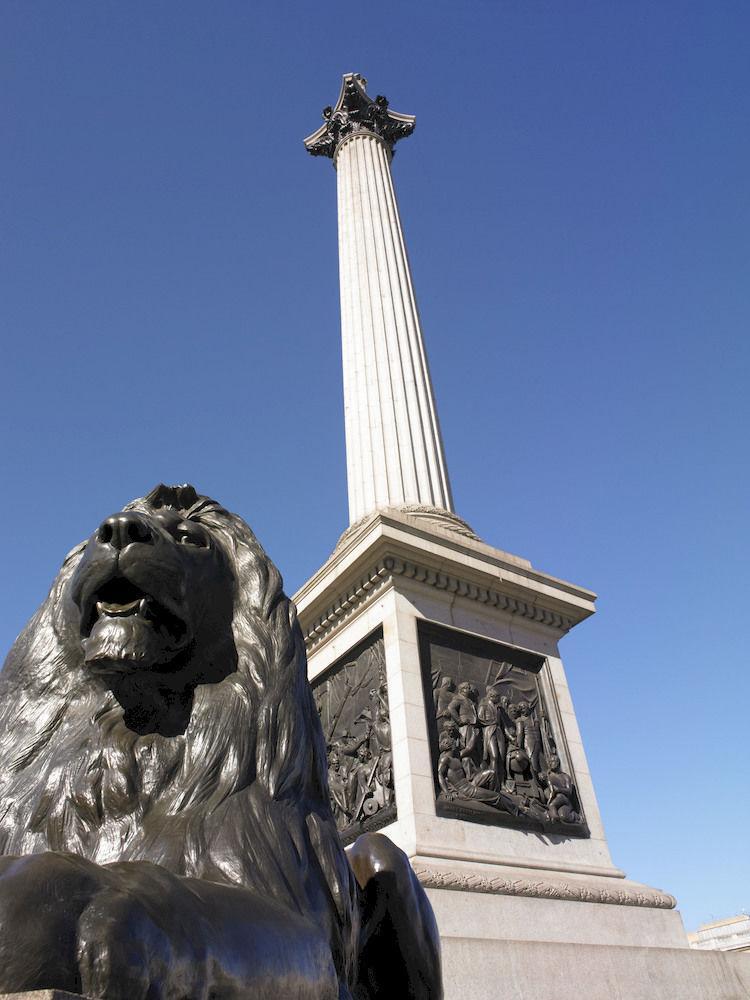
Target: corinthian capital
column 354, row 112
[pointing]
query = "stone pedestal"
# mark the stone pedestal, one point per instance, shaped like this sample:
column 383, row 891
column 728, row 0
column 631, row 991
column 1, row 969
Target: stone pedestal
column 517, row 970
column 524, row 910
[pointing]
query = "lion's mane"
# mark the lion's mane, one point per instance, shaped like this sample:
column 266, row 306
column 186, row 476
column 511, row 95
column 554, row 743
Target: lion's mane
column 241, row 797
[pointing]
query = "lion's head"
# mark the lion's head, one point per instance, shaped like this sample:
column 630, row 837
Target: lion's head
column 157, row 708
column 153, row 598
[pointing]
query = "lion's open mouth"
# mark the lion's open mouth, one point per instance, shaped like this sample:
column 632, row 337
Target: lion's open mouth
column 119, row 598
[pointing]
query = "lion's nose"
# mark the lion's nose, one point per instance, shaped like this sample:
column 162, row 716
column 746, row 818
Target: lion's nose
column 122, row 529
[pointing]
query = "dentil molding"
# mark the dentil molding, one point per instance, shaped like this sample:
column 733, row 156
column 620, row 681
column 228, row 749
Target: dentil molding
column 389, row 567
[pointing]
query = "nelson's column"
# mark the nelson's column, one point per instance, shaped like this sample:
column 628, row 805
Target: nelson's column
column 435, row 665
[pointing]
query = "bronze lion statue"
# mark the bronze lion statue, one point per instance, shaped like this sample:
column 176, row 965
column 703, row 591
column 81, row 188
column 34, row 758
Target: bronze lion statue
column 165, row 827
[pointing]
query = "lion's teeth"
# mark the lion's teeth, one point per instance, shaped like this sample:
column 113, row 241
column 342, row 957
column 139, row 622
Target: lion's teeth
column 143, row 607
column 110, row 608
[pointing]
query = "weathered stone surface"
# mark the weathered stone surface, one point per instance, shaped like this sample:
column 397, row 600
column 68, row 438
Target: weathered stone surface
column 740, row 963
column 570, row 971
column 543, row 919
column 41, row 995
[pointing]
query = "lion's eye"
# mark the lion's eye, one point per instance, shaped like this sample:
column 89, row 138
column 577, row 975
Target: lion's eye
column 191, row 535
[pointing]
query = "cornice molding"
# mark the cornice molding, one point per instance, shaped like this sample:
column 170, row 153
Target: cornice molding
column 388, row 567
column 433, row 878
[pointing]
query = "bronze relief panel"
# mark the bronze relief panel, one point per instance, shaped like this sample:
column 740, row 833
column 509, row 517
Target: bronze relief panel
column 496, row 756
column 352, row 701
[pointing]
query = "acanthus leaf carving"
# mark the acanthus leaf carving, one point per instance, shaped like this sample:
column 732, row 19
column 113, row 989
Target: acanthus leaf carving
column 357, row 113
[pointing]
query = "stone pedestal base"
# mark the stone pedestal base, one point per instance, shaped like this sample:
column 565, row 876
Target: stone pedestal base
column 523, row 913
column 561, row 921
column 524, row 935
column 536, row 970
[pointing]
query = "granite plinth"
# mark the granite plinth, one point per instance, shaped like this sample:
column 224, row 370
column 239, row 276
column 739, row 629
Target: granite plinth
column 739, row 962
column 560, row 969
column 530, row 970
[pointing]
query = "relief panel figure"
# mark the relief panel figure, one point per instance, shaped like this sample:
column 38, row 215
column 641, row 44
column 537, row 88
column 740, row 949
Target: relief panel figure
column 493, row 734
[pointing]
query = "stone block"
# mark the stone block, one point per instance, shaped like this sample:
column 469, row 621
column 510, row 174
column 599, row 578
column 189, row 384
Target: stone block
column 740, row 962
column 505, row 917
column 546, row 970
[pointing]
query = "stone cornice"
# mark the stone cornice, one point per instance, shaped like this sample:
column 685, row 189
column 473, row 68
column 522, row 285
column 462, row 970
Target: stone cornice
column 355, row 112
column 546, row 888
column 389, row 567
column 393, row 545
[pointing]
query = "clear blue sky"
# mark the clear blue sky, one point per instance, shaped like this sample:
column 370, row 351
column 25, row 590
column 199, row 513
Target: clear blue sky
column 577, row 210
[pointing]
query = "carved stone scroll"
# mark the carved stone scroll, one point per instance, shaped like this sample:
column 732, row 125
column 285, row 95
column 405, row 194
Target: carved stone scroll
column 352, row 701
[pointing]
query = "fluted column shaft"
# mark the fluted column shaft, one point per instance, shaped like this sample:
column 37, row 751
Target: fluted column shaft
column 393, row 444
